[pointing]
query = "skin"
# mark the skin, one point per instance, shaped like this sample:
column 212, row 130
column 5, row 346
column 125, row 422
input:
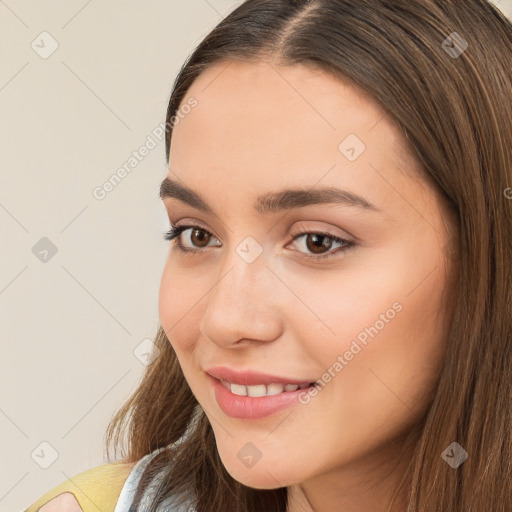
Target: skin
column 63, row 502
column 260, row 127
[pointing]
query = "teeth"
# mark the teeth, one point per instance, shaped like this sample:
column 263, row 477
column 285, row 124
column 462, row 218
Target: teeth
column 238, row 389
column 275, row 389
column 261, row 389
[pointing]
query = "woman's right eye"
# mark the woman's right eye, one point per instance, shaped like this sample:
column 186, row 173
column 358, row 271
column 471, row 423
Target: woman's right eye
column 198, row 235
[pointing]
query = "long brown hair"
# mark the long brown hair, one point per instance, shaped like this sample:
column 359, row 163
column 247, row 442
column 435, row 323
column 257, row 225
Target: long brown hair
column 455, row 111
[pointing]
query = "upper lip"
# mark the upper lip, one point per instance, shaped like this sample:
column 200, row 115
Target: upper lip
column 251, row 377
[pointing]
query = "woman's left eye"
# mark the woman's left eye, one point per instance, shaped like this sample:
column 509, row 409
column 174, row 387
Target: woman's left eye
column 314, row 241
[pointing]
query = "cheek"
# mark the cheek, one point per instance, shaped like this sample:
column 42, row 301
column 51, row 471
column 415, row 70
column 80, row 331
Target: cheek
column 382, row 346
column 165, row 295
column 179, row 310
column 178, row 307
column 330, row 313
column 401, row 362
column 409, row 354
column 167, row 300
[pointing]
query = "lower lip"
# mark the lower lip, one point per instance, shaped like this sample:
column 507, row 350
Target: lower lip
column 251, row 407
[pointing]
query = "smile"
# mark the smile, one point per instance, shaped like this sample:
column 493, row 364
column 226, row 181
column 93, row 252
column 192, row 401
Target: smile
column 251, row 402
column 260, row 390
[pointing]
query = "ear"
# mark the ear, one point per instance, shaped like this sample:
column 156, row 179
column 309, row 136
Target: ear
column 65, row 502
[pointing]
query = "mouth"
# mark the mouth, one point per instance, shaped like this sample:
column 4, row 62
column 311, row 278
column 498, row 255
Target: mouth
column 260, row 390
column 255, row 401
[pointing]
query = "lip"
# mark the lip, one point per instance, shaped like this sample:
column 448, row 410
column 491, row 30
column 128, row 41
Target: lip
column 250, row 377
column 250, row 407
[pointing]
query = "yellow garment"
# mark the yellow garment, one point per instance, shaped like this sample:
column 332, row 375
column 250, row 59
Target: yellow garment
column 95, row 489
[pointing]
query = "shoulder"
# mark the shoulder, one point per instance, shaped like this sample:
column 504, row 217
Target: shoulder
column 95, row 488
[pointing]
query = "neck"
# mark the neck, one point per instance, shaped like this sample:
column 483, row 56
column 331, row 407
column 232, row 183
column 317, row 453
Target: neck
column 369, row 483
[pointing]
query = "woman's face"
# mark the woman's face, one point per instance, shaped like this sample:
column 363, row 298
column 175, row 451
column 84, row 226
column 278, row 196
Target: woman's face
column 366, row 322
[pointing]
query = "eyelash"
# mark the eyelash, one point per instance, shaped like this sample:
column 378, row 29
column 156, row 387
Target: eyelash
column 176, row 231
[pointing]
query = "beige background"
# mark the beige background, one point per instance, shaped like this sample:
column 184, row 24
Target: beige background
column 72, row 323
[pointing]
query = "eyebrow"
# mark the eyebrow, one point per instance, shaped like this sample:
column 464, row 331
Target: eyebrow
column 273, row 201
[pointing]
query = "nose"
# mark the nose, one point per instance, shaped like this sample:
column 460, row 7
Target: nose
column 243, row 307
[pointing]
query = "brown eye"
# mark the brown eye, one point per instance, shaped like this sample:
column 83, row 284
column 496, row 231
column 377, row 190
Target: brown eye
column 200, row 237
column 189, row 238
column 313, row 244
column 316, row 243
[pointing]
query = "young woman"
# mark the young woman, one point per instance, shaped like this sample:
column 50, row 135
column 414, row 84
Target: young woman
column 335, row 308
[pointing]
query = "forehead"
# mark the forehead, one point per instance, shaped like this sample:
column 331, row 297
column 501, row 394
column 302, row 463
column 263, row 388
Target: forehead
column 259, row 125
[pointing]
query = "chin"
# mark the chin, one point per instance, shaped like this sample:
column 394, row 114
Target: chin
column 262, row 475
column 257, row 479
